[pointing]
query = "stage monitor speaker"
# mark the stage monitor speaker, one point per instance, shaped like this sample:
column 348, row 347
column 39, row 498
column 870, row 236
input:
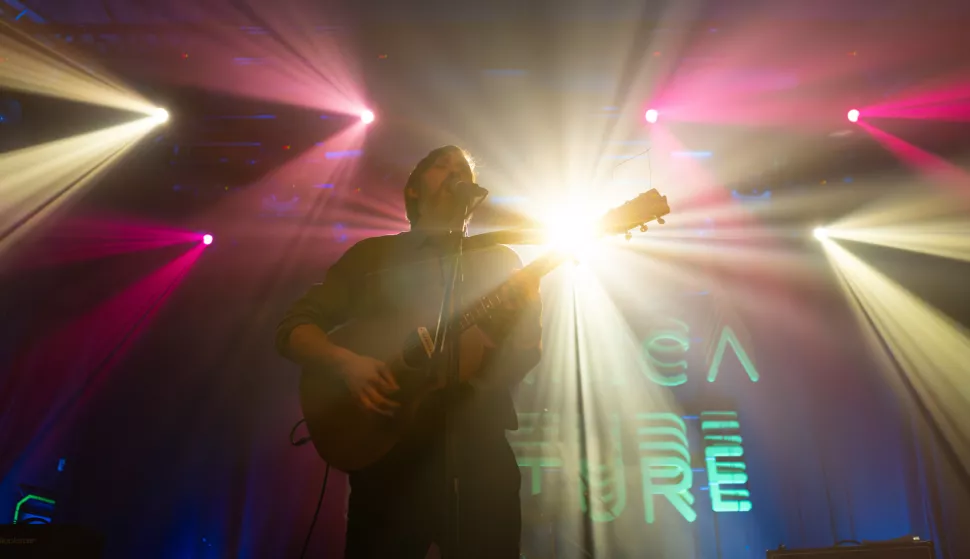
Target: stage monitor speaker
column 50, row 541
column 869, row 550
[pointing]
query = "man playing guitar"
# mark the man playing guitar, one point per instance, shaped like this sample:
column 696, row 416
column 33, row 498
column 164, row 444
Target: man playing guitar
column 398, row 505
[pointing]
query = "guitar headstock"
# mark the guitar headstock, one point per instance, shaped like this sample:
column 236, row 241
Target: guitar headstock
column 649, row 206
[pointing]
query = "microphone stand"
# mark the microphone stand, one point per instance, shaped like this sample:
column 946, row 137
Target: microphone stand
column 447, row 354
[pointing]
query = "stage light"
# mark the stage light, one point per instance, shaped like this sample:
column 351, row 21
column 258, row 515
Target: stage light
column 207, row 239
column 820, row 233
column 853, row 115
column 570, row 231
column 367, row 116
column 651, row 115
column 160, row 115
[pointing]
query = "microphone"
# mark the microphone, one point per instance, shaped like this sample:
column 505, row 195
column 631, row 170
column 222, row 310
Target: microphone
column 467, row 190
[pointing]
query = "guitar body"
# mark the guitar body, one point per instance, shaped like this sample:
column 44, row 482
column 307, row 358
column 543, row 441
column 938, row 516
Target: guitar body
column 346, row 435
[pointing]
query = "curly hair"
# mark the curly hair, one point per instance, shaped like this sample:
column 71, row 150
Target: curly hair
column 412, row 188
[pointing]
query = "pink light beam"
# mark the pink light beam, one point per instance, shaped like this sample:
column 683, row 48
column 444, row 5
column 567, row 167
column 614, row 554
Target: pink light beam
column 93, row 237
column 44, row 387
column 947, row 101
column 931, row 165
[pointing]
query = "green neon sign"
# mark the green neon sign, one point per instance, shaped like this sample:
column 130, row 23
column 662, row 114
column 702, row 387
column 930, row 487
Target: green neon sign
column 728, row 337
column 606, row 479
column 27, row 499
column 665, row 464
column 536, row 445
column 664, row 459
column 665, row 351
column 726, row 472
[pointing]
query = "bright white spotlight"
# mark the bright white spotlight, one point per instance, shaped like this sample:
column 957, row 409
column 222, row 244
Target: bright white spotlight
column 38, row 180
column 32, row 65
column 207, row 239
column 853, row 115
column 160, row 114
column 367, row 116
column 651, row 115
column 570, row 231
column 820, row 233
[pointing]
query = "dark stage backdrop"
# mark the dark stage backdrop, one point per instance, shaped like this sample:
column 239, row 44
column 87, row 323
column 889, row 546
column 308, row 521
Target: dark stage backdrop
column 141, row 392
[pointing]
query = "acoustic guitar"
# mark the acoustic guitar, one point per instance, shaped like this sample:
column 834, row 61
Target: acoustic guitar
column 349, row 437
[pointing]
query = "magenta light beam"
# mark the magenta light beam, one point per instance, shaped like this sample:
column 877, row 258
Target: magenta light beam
column 59, row 383
column 93, row 237
column 207, row 239
column 948, row 101
column 932, row 166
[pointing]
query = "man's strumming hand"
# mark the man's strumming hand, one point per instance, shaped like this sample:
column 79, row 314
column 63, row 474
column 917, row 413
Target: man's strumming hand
column 370, row 381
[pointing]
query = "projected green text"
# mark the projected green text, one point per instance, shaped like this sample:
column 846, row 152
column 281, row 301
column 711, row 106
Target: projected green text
column 666, row 472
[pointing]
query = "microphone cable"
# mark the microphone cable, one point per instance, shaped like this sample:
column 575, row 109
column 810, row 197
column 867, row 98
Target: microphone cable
column 316, row 513
column 323, row 490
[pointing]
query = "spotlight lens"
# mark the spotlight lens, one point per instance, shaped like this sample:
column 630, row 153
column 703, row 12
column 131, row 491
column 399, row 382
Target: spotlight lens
column 367, row 116
column 207, row 239
column 160, row 114
column 853, row 115
column 651, row 115
column 821, row 233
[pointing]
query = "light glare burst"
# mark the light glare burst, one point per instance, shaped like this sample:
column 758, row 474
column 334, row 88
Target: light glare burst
column 570, row 231
column 160, row 115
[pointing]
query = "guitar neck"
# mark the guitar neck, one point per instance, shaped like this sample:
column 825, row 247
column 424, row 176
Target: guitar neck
column 484, row 306
column 648, row 206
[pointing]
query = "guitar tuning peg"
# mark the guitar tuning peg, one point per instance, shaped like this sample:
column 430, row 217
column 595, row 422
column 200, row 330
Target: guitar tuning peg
column 643, row 228
column 660, row 220
column 628, row 236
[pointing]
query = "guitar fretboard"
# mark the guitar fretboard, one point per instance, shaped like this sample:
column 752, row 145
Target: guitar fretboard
column 482, row 308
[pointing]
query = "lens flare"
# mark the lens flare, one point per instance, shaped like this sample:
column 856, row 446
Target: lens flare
column 570, row 231
column 367, row 116
column 853, row 115
column 207, row 239
column 820, row 233
column 651, row 115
